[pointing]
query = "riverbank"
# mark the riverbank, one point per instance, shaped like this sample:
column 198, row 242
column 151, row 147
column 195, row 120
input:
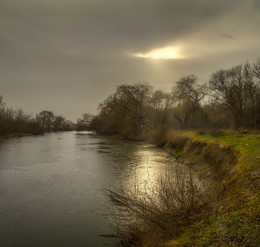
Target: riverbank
column 14, row 135
column 227, row 212
column 232, row 163
column 17, row 135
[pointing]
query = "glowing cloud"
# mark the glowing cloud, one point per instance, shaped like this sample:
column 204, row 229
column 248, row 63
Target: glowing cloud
column 161, row 53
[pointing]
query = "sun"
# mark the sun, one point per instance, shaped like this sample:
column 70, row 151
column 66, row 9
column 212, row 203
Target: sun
column 161, row 53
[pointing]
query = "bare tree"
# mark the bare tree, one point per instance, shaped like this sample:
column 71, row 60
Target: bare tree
column 58, row 123
column 236, row 89
column 2, row 103
column 188, row 95
column 125, row 111
column 137, row 97
column 84, row 122
column 161, row 104
column 256, row 69
column 45, row 119
column 16, row 121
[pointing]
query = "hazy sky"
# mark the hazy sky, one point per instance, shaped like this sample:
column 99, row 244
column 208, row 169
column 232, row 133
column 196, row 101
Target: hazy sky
column 68, row 55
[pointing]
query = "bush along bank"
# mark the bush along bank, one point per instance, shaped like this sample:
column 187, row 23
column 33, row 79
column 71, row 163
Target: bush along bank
column 147, row 216
column 178, row 213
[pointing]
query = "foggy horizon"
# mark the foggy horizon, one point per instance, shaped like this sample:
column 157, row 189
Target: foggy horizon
column 67, row 57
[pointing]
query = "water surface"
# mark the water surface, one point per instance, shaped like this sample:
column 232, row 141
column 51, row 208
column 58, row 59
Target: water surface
column 51, row 186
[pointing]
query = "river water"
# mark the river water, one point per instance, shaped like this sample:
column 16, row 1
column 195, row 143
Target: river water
column 51, row 186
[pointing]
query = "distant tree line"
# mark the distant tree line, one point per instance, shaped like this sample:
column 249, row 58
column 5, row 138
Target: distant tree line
column 17, row 122
column 51, row 122
column 231, row 99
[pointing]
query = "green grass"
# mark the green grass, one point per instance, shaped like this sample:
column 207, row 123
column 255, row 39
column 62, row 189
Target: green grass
column 236, row 221
column 247, row 142
column 248, row 145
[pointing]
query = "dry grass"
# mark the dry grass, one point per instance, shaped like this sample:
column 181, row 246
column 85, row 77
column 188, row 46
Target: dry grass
column 165, row 135
column 158, row 213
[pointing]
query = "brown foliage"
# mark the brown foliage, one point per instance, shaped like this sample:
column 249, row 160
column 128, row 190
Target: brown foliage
column 158, row 212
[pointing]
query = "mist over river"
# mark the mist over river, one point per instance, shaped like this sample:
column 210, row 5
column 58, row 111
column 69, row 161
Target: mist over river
column 51, row 186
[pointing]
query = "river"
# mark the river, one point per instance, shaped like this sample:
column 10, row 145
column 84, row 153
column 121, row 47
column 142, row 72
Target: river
column 51, row 186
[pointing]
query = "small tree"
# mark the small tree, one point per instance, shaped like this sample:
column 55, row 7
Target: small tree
column 188, row 95
column 59, row 123
column 125, row 111
column 256, row 71
column 46, row 119
column 160, row 106
column 84, row 122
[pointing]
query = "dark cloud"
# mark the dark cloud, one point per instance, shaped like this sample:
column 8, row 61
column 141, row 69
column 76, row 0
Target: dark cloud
column 227, row 36
column 68, row 55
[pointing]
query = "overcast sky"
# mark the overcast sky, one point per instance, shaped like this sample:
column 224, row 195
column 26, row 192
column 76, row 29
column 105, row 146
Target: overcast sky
column 69, row 55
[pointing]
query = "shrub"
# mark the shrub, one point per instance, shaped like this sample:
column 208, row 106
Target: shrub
column 164, row 135
column 159, row 212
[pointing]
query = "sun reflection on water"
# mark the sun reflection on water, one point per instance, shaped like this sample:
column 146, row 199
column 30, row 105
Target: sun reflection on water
column 151, row 166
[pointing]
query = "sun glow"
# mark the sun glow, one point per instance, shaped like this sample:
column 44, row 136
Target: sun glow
column 161, row 53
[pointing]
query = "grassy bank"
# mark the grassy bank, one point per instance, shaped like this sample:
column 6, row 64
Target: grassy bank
column 225, row 213
column 232, row 163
